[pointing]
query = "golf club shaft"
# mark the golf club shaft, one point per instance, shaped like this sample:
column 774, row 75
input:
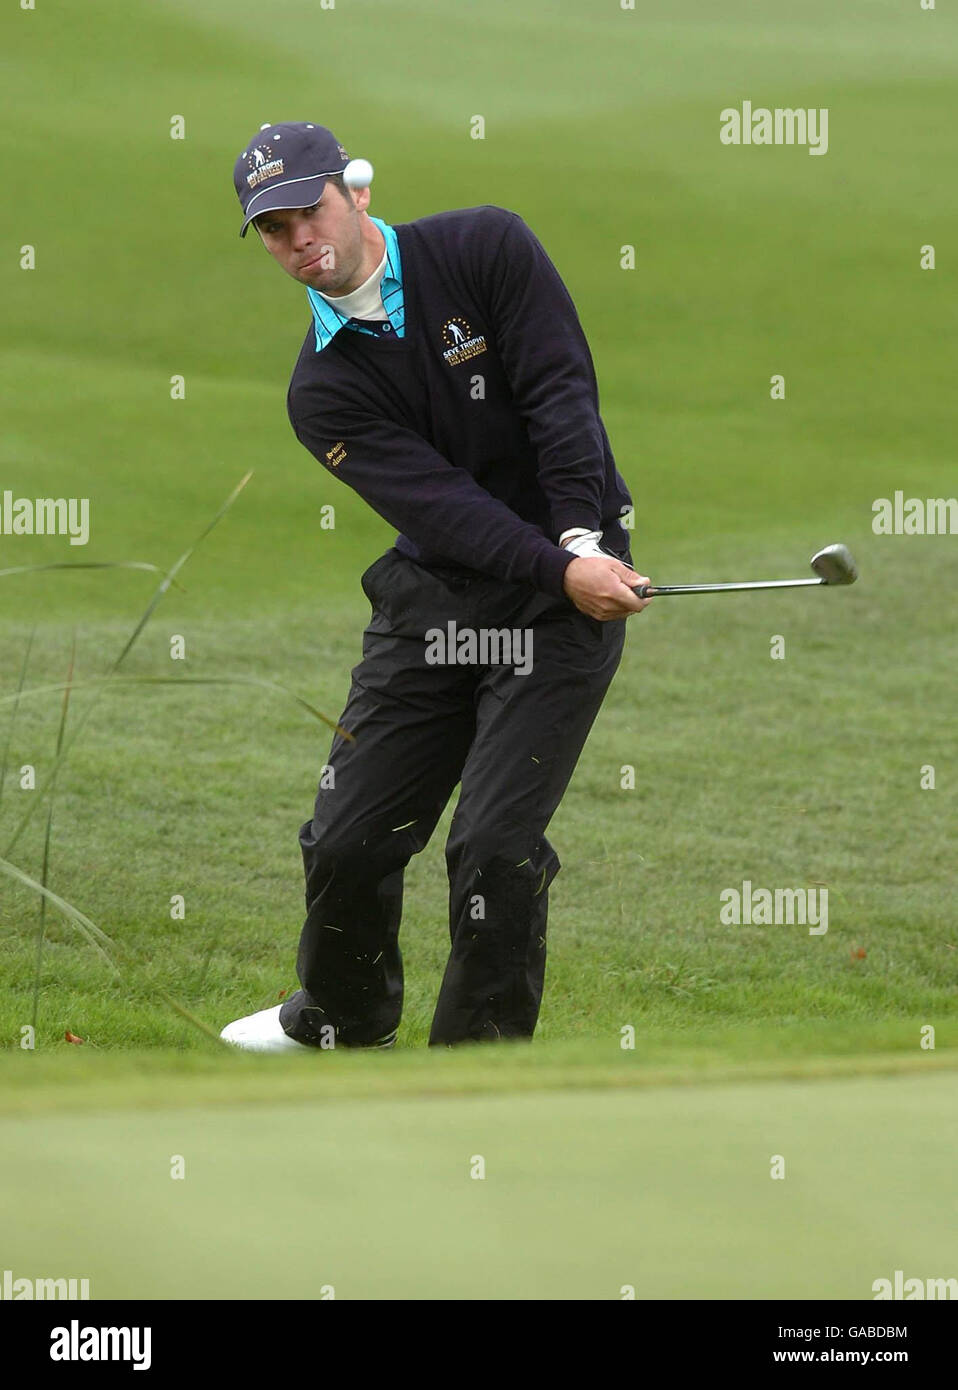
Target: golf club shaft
column 653, row 591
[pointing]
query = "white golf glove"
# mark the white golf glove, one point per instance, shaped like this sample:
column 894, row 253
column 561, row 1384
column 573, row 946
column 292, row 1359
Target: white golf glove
column 584, row 543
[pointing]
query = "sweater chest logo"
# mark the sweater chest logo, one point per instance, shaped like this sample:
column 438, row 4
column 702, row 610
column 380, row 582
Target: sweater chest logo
column 461, row 343
column 336, row 454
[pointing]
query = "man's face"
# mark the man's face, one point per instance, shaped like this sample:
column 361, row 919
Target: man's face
column 321, row 246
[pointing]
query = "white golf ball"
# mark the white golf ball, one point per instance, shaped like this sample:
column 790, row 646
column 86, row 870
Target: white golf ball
column 358, row 173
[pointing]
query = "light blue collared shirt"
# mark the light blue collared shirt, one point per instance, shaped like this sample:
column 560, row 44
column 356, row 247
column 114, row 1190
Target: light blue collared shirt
column 328, row 321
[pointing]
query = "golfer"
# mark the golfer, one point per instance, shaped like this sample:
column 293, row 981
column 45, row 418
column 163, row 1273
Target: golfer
column 445, row 378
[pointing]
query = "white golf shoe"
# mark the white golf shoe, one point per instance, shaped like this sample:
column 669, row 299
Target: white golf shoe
column 262, row 1032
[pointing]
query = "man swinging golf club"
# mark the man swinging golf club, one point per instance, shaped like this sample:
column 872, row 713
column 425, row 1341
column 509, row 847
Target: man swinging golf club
column 446, row 378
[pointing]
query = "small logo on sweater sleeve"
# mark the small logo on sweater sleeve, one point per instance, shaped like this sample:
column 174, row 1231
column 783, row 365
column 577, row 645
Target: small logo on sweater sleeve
column 336, row 454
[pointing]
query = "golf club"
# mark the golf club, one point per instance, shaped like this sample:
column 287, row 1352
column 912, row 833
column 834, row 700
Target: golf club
column 833, row 565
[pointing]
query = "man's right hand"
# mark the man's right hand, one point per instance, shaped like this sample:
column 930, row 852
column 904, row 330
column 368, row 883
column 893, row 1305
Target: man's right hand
column 603, row 587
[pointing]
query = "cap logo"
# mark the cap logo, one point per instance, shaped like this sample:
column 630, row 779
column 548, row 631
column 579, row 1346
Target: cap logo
column 262, row 165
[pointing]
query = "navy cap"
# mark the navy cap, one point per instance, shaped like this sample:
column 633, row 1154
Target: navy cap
column 286, row 166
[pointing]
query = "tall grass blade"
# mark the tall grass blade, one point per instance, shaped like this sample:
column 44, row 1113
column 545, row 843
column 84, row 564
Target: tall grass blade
column 161, row 591
column 16, row 706
column 97, row 939
column 45, row 874
column 83, row 565
column 255, row 681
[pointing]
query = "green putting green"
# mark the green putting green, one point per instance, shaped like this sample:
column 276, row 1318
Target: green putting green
column 666, row 1189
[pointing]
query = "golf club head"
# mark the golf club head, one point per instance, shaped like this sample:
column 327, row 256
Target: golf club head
column 835, row 565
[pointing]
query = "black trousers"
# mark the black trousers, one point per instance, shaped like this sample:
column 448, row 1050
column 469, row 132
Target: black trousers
column 511, row 739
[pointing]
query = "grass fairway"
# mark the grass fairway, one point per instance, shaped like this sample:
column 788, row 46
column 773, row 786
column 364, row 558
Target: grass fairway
column 604, row 1167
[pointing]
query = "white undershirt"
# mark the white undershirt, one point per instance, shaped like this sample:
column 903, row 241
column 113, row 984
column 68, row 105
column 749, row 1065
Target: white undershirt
column 364, row 303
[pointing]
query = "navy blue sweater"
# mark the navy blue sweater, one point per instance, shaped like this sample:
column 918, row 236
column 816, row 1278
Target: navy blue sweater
column 475, row 476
